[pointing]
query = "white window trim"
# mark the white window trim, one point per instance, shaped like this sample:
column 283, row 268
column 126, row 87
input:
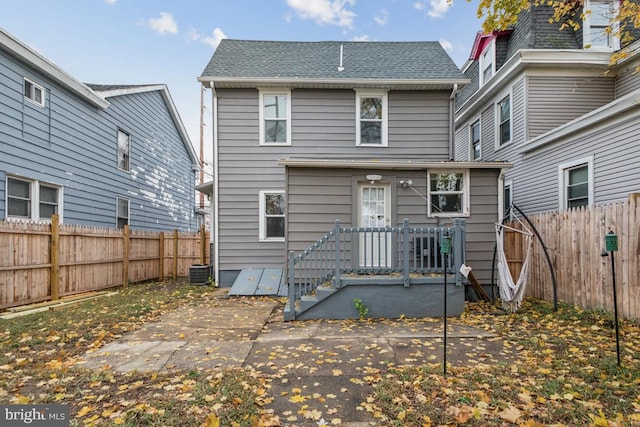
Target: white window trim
column 118, row 150
column 261, row 94
column 471, row 152
column 262, row 219
column 491, row 49
column 501, row 98
column 465, row 195
column 360, row 93
column 128, row 210
column 35, row 85
column 35, row 200
column 586, row 33
column 562, row 180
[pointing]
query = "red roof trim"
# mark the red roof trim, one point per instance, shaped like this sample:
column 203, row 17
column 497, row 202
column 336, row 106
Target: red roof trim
column 482, row 40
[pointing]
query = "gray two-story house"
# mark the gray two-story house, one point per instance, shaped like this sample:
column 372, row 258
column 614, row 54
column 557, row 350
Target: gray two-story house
column 307, row 133
column 95, row 155
column 551, row 103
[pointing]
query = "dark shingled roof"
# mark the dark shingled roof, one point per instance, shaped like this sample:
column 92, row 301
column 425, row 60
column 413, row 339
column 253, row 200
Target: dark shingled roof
column 403, row 61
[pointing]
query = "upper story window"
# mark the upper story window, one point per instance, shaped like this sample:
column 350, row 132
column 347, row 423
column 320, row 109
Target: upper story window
column 448, row 193
column 504, row 121
column 124, row 150
column 488, row 63
column 122, row 212
column 32, row 199
column 576, row 183
column 599, row 25
column 371, row 118
column 275, row 117
column 272, row 215
column 474, row 133
column 33, row 92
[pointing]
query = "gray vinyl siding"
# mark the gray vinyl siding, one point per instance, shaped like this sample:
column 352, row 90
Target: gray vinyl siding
column 615, row 165
column 553, row 100
column 480, row 237
column 462, row 146
column 628, row 80
column 73, row 145
column 322, row 126
column 318, row 197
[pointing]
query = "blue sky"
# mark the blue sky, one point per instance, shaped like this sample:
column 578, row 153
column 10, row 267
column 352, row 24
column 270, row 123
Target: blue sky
column 171, row 41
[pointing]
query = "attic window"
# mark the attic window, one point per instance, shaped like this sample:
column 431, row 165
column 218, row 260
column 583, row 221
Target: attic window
column 599, row 25
column 488, row 63
column 33, row 92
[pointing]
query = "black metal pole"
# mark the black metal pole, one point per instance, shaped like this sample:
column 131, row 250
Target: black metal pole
column 615, row 306
column 445, row 313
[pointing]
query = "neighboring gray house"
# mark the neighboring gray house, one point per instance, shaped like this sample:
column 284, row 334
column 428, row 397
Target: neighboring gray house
column 95, row 155
column 550, row 103
column 307, row 133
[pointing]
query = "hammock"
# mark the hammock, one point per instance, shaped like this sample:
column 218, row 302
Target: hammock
column 512, row 293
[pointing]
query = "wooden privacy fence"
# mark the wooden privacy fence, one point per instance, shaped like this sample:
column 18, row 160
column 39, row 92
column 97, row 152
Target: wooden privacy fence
column 575, row 240
column 40, row 262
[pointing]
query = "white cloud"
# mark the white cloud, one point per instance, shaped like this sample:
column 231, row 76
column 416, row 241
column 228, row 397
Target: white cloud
column 164, row 24
column 419, row 5
column 363, row 38
column 446, row 45
column 382, row 17
column 333, row 12
column 439, row 8
column 213, row 40
column 110, row 1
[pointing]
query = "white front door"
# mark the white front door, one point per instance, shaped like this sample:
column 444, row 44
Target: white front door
column 375, row 212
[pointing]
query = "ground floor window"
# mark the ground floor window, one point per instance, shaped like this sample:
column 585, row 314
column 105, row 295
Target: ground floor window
column 32, row 199
column 272, row 215
column 122, row 212
column 448, row 193
column 576, row 183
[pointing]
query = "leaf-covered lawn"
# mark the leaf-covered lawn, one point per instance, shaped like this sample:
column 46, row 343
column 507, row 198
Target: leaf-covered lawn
column 565, row 373
column 37, row 365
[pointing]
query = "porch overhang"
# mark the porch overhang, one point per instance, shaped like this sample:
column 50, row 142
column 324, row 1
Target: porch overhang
column 408, row 164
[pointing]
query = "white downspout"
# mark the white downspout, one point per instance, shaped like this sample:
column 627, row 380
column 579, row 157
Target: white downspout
column 452, row 124
column 216, row 198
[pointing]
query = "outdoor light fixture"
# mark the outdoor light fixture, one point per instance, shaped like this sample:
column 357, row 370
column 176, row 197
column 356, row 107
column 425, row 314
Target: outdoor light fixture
column 373, row 178
column 404, row 183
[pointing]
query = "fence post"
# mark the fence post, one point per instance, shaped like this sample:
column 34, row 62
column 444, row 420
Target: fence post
column 203, row 246
column 175, row 254
column 291, row 287
column 55, row 257
column 125, row 255
column 161, row 255
column 458, row 248
column 405, row 252
column 336, row 277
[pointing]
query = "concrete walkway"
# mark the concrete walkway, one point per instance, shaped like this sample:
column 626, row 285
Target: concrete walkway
column 327, row 363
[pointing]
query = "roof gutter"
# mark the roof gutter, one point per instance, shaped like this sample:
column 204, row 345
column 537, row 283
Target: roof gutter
column 388, row 164
column 222, row 81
